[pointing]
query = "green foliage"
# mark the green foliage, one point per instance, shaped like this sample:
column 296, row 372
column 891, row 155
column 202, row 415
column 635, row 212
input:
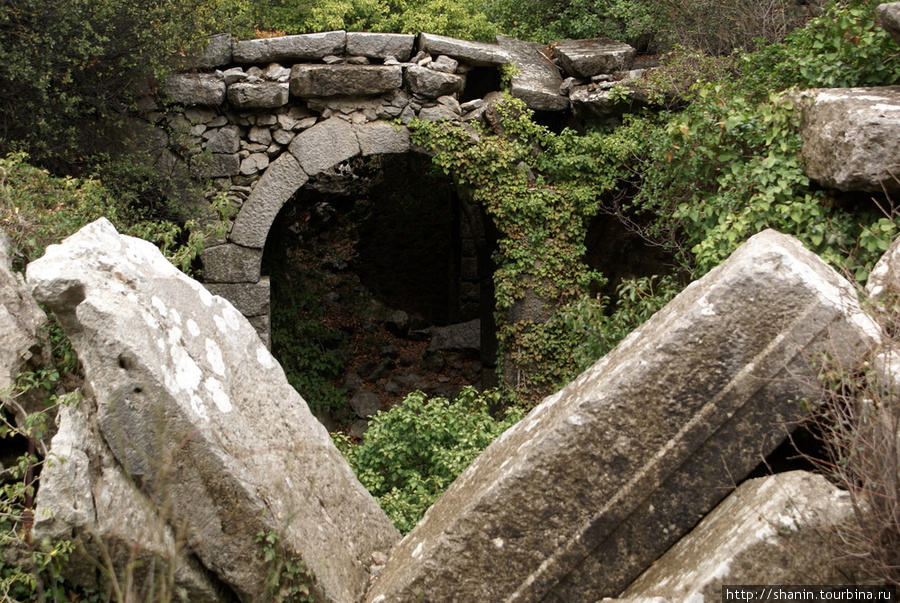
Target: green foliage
column 843, row 47
column 73, row 68
column 288, row 580
column 37, row 209
column 415, row 450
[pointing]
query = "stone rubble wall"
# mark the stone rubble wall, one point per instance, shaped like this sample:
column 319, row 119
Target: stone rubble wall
column 262, row 117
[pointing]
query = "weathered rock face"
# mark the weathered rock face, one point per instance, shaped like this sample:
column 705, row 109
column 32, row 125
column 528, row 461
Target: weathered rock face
column 304, row 46
column 474, row 53
column 21, row 323
column 344, row 80
column 772, row 530
column 666, row 423
column 202, row 418
column 85, row 497
column 538, row 80
column 885, row 276
column 196, row 89
column 851, row 138
column 889, row 15
column 587, row 58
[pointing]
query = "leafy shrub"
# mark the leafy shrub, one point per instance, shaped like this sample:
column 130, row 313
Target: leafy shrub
column 412, row 452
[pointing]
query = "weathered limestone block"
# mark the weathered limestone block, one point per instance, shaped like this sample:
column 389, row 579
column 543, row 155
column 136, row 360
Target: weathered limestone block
column 586, row 58
column 537, row 81
column 250, row 299
column 85, row 497
column 474, row 53
column 889, row 15
column 217, row 165
column 344, row 80
column 303, row 47
column 851, row 138
column 281, row 180
column 380, row 45
column 259, row 95
column 196, row 89
column 21, row 322
column 432, row 84
column 201, row 417
column 224, row 140
column 884, row 279
column 325, row 145
column 580, row 497
column 601, row 105
column 379, row 137
column 217, row 52
column 231, row 263
column 779, row 529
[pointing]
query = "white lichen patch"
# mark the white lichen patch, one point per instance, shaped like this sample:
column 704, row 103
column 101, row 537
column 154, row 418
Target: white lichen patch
column 187, row 374
column 264, row 358
column 176, row 317
column 214, row 357
column 206, row 298
column 193, row 328
column 199, row 408
column 160, row 306
column 219, row 397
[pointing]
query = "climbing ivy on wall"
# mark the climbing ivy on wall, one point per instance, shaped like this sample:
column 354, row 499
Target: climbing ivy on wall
column 540, row 189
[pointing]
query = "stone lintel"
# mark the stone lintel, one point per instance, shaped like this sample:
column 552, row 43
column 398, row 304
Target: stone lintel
column 310, row 81
column 302, row 47
column 380, row 45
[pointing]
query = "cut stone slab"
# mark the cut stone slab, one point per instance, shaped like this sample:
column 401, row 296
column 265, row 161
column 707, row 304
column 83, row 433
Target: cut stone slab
column 538, row 80
column 261, row 95
column 202, row 418
column 250, row 299
column 851, row 138
column 86, row 498
column 217, row 52
column 325, row 145
column 230, row 263
column 381, row 137
column 303, row 47
column 473, row 53
column 780, row 529
column 581, row 496
column 196, row 89
column 380, row 45
column 586, row 58
column 310, row 81
column 278, row 184
column 889, row 15
column 432, row 84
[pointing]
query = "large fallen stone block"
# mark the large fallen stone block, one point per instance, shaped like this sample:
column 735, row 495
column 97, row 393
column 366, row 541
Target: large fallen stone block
column 86, row 498
column 537, row 81
column 600, row 479
column 851, row 138
column 474, row 53
column 587, row 58
column 780, row 529
column 202, row 419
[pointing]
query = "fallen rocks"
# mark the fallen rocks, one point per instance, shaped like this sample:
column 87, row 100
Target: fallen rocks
column 586, row 58
column 781, row 529
column 666, row 422
column 851, row 138
column 202, row 419
column 537, row 81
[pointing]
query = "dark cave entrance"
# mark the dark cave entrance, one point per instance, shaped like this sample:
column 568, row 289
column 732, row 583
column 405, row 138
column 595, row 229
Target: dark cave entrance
column 370, row 264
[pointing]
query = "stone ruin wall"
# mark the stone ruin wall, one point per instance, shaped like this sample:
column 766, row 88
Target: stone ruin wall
column 262, row 117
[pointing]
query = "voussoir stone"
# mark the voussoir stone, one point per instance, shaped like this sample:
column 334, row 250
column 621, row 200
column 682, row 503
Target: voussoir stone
column 230, row 263
column 344, row 80
column 779, row 529
column 380, row 45
column 278, row 184
column 303, row 47
column 196, row 89
column 582, row 495
column 202, row 418
column 851, row 138
column 325, row 145
column 380, row 137
column 474, row 53
column 259, row 95
column 586, row 58
column 432, row 84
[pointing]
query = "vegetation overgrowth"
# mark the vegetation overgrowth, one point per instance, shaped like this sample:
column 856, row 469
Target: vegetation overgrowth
column 715, row 160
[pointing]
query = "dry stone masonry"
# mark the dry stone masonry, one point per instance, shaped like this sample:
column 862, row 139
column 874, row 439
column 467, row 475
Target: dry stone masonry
column 263, row 117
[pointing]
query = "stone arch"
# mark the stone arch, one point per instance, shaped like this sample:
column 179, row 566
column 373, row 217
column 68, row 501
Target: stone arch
column 237, row 264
